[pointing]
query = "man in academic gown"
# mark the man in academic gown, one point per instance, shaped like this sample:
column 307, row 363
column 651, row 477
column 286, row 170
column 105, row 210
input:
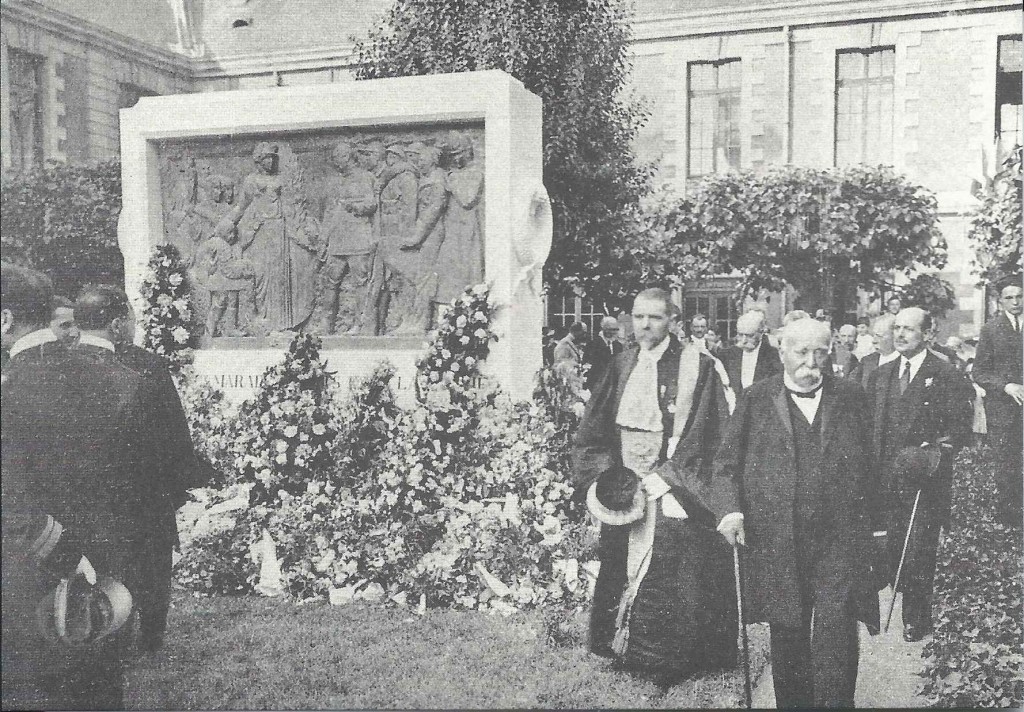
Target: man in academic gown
column 663, row 603
column 919, row 401
column 794, row 487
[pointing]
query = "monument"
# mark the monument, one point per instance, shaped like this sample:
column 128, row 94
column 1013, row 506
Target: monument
column 355, row 211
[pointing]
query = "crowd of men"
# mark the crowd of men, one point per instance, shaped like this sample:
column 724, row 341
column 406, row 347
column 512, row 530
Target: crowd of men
column 97, row 456
column 825, row 467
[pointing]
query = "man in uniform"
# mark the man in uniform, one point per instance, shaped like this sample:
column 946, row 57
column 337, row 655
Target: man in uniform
column 76, row 428
column 663, row 602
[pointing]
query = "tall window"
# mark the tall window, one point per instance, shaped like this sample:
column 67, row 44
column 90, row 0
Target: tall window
column 566, row 309
column 26, row 109
column 1009, row 117
column 864, row 106
column 713, row 116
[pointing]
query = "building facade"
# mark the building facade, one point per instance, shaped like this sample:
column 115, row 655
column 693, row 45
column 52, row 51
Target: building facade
column 931, row 87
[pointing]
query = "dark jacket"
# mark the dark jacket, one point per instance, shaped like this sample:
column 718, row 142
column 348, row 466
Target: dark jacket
column 187, row 471
column 768, row 364
column 754, row 474
column 865, row 368
column 936, row 405
column 998, row 362
column 76, row 429
column 598, row 355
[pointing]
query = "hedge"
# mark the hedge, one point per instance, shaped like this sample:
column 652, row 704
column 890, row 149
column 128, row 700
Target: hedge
column 62, row 219
column 976, row 656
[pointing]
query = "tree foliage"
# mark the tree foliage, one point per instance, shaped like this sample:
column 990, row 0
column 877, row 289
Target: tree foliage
column 573, row 54
column 996, row 225
column 823, row 232
column 62, row 220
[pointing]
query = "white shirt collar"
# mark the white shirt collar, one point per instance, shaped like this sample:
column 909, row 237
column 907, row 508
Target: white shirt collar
column 1014, row 320
column 748, row 365
column 891, row 356
column 31, row 340
column 657, row 351
column 915, row 363
column 807, row 406
column 90, row 340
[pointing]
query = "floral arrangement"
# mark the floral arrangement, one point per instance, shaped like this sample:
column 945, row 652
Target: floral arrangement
column 461, row 342
column 210, row 421
column 284, row 435
column 168, row 318
column 460, row 501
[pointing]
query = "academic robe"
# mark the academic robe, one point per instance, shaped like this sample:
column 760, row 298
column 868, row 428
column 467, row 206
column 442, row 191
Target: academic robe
column 683, row 616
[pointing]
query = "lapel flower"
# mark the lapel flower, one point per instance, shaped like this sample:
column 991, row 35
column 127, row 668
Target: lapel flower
column 928, row 382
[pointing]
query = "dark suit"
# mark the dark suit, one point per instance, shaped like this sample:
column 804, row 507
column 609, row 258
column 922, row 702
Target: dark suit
column 844, row 359
column 683, row 618
column 76, row 432
column 936, row 405
column 808, row 495
column 865, row 367
column 183, row 471
column 599, row 354
column 768, row 364
column 997, row 363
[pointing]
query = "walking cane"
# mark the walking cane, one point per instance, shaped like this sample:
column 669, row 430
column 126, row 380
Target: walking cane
column 743, row 642
column 903, row 556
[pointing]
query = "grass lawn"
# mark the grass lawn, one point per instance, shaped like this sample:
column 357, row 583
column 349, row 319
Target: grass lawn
column 253, row 653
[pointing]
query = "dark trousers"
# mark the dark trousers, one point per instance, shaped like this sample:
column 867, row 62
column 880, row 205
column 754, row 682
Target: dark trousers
column 1005, row 434
column 918, row 575
column 814, row 664
column 152, row 591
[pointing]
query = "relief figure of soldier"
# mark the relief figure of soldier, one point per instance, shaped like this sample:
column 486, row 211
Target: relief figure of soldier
column 397, row 186
column 348, row 243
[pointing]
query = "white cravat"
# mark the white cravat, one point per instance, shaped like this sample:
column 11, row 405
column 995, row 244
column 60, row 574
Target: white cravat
column 639, row 407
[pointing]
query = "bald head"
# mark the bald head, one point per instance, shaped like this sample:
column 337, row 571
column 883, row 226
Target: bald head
column 805, row 345
column 848, row 335
column 749, row 328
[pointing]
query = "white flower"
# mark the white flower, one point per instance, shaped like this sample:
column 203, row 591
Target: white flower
column 319, row 429
column 180, row 334
column 291, row 431
column 479, row 316
column 480, row 334
column 175, row 279
column 461, row 321
column 164, row 300
column 281, row 446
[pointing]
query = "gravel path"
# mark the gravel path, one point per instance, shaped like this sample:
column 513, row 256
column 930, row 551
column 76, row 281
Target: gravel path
column 888, row 673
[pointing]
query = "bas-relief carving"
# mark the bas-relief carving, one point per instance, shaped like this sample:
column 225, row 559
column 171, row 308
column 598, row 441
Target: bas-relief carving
column 355, row 233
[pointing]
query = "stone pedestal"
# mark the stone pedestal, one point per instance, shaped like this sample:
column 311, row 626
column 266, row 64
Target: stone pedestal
column 353, row 211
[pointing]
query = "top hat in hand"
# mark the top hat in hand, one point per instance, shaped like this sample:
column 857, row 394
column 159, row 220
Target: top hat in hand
column 914, row 467
column 616, row 498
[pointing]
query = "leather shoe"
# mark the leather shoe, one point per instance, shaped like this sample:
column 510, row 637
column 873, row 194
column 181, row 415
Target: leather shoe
column 913, row 633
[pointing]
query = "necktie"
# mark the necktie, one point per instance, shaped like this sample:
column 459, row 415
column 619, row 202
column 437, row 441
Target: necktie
column 905, row 377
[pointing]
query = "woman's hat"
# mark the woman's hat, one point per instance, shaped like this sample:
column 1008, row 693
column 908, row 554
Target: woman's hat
column 77, row 614
column 616, row 498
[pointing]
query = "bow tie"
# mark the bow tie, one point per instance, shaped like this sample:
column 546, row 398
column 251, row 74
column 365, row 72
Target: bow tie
column 808, row 394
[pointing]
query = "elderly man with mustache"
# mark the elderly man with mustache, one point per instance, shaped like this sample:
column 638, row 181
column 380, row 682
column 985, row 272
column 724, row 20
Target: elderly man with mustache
column 796, row 490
